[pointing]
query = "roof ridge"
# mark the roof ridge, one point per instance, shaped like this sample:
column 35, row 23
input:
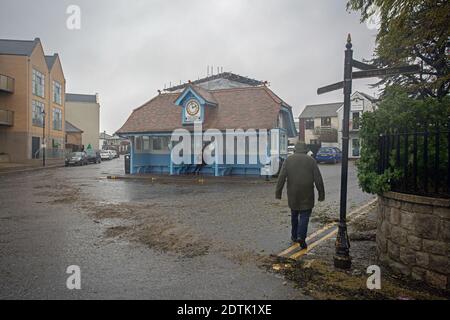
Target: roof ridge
column 272, row 95
column 81, row 94
column 18, row 40
column 236, row 88
column 225, row 75
column 323, row 104
column 73, row 125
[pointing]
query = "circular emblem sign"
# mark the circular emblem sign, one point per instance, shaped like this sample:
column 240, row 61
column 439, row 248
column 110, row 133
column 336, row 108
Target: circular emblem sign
column 193, row 108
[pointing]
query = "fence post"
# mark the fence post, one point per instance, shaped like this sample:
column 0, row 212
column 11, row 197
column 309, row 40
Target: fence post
column 448, row 156
column 397, row 151
column 425, row 158
column 415, row 159
column 388, row 149
column 406, row 160
column 380, row 154
column 436, row 158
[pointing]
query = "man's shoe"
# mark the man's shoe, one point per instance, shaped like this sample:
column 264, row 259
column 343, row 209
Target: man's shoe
column 303, row 244
column 294, row 240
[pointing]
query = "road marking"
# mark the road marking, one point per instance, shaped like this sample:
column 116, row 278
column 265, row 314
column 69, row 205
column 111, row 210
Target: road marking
column 312, row 236
column 319, row 241
column 313, row 245
column 354, row 214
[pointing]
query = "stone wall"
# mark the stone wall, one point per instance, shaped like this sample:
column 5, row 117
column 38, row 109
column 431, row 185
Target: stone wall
column 413, row 237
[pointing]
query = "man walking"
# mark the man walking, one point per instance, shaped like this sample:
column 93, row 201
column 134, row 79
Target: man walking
column 302, row 173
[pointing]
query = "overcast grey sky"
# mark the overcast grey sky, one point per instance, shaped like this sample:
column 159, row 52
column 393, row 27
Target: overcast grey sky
column 128, row 49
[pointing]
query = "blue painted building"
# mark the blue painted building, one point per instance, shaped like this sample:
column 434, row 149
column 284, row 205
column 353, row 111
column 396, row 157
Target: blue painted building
column 226, row 104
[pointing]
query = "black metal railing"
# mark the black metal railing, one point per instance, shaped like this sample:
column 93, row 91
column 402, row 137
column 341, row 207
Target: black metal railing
column 420, row 156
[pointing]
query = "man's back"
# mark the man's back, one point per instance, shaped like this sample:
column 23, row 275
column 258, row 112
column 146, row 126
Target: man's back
column 302, row 173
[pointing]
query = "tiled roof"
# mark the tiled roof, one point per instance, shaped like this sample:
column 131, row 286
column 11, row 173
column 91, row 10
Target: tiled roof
column 104, row 135
column 321, row 110
column 74, row 97
column 50, row 60
column 205, row 94
column 18, row 47
column 238, row 108
column 235, row 78
column 71, row 128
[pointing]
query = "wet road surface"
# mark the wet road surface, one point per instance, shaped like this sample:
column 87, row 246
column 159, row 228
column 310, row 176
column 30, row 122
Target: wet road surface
column 147, row 240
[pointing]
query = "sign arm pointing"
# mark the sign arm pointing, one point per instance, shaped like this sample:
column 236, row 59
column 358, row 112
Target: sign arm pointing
column 331, row 87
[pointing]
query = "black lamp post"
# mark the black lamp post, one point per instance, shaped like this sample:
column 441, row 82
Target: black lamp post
column 342, row 257
column 43, row 138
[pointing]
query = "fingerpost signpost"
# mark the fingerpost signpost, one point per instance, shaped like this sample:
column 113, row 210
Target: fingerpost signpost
column 342, row 257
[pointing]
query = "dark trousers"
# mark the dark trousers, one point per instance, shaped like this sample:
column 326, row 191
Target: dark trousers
column 300, row 221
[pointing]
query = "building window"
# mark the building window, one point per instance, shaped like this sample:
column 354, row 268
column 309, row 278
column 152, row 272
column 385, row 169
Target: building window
column 160, row 143
column 38, row 83
column 326, row 122
column 38, row 116
column 143, row 144
column 57, row 119
column 57, row 92
column 56, row 143
column 355, row 121
column 146, row 143
column 139, row 143
column 283, row 143
column 309, row 123
column 355, row 147
column 157, row 144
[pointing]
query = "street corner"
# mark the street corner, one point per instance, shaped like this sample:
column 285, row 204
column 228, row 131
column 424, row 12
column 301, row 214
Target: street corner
column 227, row 155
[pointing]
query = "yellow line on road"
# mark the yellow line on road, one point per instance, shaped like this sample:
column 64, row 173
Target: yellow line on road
column 354, row 214
column 313, row 245
column 296, row 245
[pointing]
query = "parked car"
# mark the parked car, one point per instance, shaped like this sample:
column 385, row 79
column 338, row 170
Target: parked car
column 339, row 153
column 114, row 153
column 94, row 156
column 291, row 149
column 329, row 155
column 106, row 155
column 77, row 159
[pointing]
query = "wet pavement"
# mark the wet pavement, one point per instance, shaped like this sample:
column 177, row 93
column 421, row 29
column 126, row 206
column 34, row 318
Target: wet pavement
column 138, row 239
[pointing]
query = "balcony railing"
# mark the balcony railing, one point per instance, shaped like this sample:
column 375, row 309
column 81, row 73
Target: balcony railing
column 6, row 118
column 326, row 134
column 6, row 84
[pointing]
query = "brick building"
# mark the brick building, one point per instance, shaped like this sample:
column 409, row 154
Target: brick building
column 32, row 102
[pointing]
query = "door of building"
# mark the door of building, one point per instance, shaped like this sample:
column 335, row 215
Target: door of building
column 355, row 147
column 35, row 146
